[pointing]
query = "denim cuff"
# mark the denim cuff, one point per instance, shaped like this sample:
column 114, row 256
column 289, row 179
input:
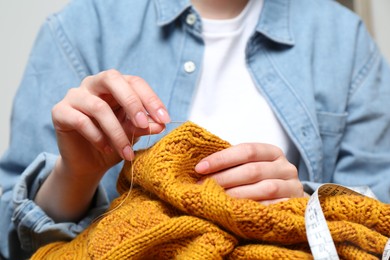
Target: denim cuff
column 33, row 226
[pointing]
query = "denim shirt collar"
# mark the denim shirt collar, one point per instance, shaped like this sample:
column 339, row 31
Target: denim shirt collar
column 169, row 10
column 274, row 21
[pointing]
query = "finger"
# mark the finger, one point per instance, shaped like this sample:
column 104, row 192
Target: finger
column 100, row 111
column 66, row 120
column 236, row 155
column 112, row 82
column 268, row 190
column 269, row 202
column 153, row 128
column 154, row 106
column 134, row 132
column 254, row 172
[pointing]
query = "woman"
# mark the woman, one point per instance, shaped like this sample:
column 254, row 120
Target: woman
column 298, row 87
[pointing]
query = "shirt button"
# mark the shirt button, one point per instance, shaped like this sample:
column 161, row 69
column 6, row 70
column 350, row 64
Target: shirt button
column 191, row 19
column 189, row 67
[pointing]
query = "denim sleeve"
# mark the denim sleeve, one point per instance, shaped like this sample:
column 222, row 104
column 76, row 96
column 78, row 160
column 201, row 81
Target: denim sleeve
column 364, row 156
column 31, row 226
column 365, row 149
column 53, row 67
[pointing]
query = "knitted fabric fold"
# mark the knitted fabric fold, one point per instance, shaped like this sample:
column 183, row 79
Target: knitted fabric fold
column 168, row 215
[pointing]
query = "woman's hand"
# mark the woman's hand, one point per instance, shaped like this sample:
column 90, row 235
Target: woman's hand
column 97, row 123
column 254, row 171
column 96, row 126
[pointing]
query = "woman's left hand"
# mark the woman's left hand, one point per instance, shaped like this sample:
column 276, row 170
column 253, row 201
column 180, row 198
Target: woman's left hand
column 254, row 171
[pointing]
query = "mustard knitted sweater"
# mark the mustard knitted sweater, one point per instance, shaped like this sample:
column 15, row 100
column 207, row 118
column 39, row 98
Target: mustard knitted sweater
column 166, row 215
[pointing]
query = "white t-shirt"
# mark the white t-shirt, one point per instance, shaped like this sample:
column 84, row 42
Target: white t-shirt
column 227, row 102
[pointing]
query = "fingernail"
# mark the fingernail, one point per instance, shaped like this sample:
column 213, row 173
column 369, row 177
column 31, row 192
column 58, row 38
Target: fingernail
column 202, row 167
column 200, row 181
column 161, row 131
column 163, row 116
column 128, row 153
column 142, row 120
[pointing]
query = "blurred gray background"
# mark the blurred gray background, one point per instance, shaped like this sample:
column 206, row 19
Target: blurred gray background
column 21, row 19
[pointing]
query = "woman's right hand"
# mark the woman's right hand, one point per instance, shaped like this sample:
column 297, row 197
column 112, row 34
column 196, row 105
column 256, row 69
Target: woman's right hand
column 97, row 123
column 96, row 126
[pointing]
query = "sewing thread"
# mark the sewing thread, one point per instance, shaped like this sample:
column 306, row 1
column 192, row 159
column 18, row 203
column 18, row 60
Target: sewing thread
column 132, row 172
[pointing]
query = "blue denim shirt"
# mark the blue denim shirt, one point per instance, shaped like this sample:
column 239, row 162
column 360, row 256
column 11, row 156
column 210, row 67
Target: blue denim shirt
column 312, row 60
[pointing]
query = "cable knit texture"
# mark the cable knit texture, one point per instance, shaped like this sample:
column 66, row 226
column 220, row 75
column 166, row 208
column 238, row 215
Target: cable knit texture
column 168, row 215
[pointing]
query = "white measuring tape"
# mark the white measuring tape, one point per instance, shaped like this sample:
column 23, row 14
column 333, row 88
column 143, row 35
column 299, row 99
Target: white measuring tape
column 317, row 230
